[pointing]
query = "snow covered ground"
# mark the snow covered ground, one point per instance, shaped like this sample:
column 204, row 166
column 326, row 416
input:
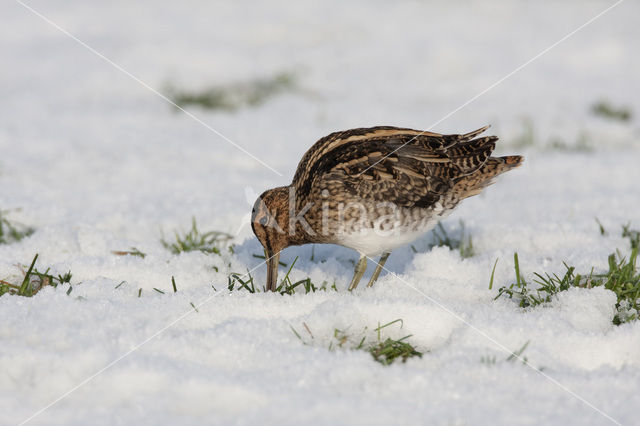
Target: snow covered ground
column 97, row 162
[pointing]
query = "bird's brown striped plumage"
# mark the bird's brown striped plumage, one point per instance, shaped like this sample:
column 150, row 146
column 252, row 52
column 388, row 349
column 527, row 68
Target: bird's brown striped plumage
column 424, row 175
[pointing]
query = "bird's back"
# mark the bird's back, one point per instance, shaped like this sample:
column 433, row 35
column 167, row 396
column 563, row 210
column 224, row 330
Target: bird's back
column 374, row 189
column 406, row 166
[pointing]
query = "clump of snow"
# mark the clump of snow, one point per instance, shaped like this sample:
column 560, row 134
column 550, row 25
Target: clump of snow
column 588, row 310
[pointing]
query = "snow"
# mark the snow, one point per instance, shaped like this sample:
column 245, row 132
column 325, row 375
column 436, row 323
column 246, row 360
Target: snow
column 588, row 310
column 96, row 162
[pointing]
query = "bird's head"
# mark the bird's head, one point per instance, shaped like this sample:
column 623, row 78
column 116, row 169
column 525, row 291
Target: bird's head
column 270, row 223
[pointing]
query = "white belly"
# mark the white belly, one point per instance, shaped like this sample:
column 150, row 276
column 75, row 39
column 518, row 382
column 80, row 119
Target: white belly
column 373, row 241
column 383, row 236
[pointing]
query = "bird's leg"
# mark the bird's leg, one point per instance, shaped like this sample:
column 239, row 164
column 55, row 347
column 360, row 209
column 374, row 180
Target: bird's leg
column 379, row 266
column 361, row 266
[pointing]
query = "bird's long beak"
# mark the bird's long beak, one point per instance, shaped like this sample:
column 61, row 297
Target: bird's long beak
column 272, row 270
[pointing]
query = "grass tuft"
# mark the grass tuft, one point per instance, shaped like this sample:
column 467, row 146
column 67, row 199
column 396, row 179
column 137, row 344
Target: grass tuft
column 12, row 232
column 606, row 110
column 386, row 351
column 235, row 96
column 239, row 282
column 194, row 240
column 389, row 350
column 623, row 278
column 462, row 242
column 583, row 144
column 34, row 281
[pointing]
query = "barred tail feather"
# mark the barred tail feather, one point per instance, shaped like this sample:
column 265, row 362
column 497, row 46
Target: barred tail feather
column 494, row 166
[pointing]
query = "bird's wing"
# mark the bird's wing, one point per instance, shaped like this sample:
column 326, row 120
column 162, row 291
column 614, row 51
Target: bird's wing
column 403, row 166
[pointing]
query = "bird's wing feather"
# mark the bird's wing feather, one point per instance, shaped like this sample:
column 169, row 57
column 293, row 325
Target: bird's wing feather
column 403, row 166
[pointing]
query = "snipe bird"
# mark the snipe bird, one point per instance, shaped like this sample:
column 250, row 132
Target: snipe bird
column 373, row 190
